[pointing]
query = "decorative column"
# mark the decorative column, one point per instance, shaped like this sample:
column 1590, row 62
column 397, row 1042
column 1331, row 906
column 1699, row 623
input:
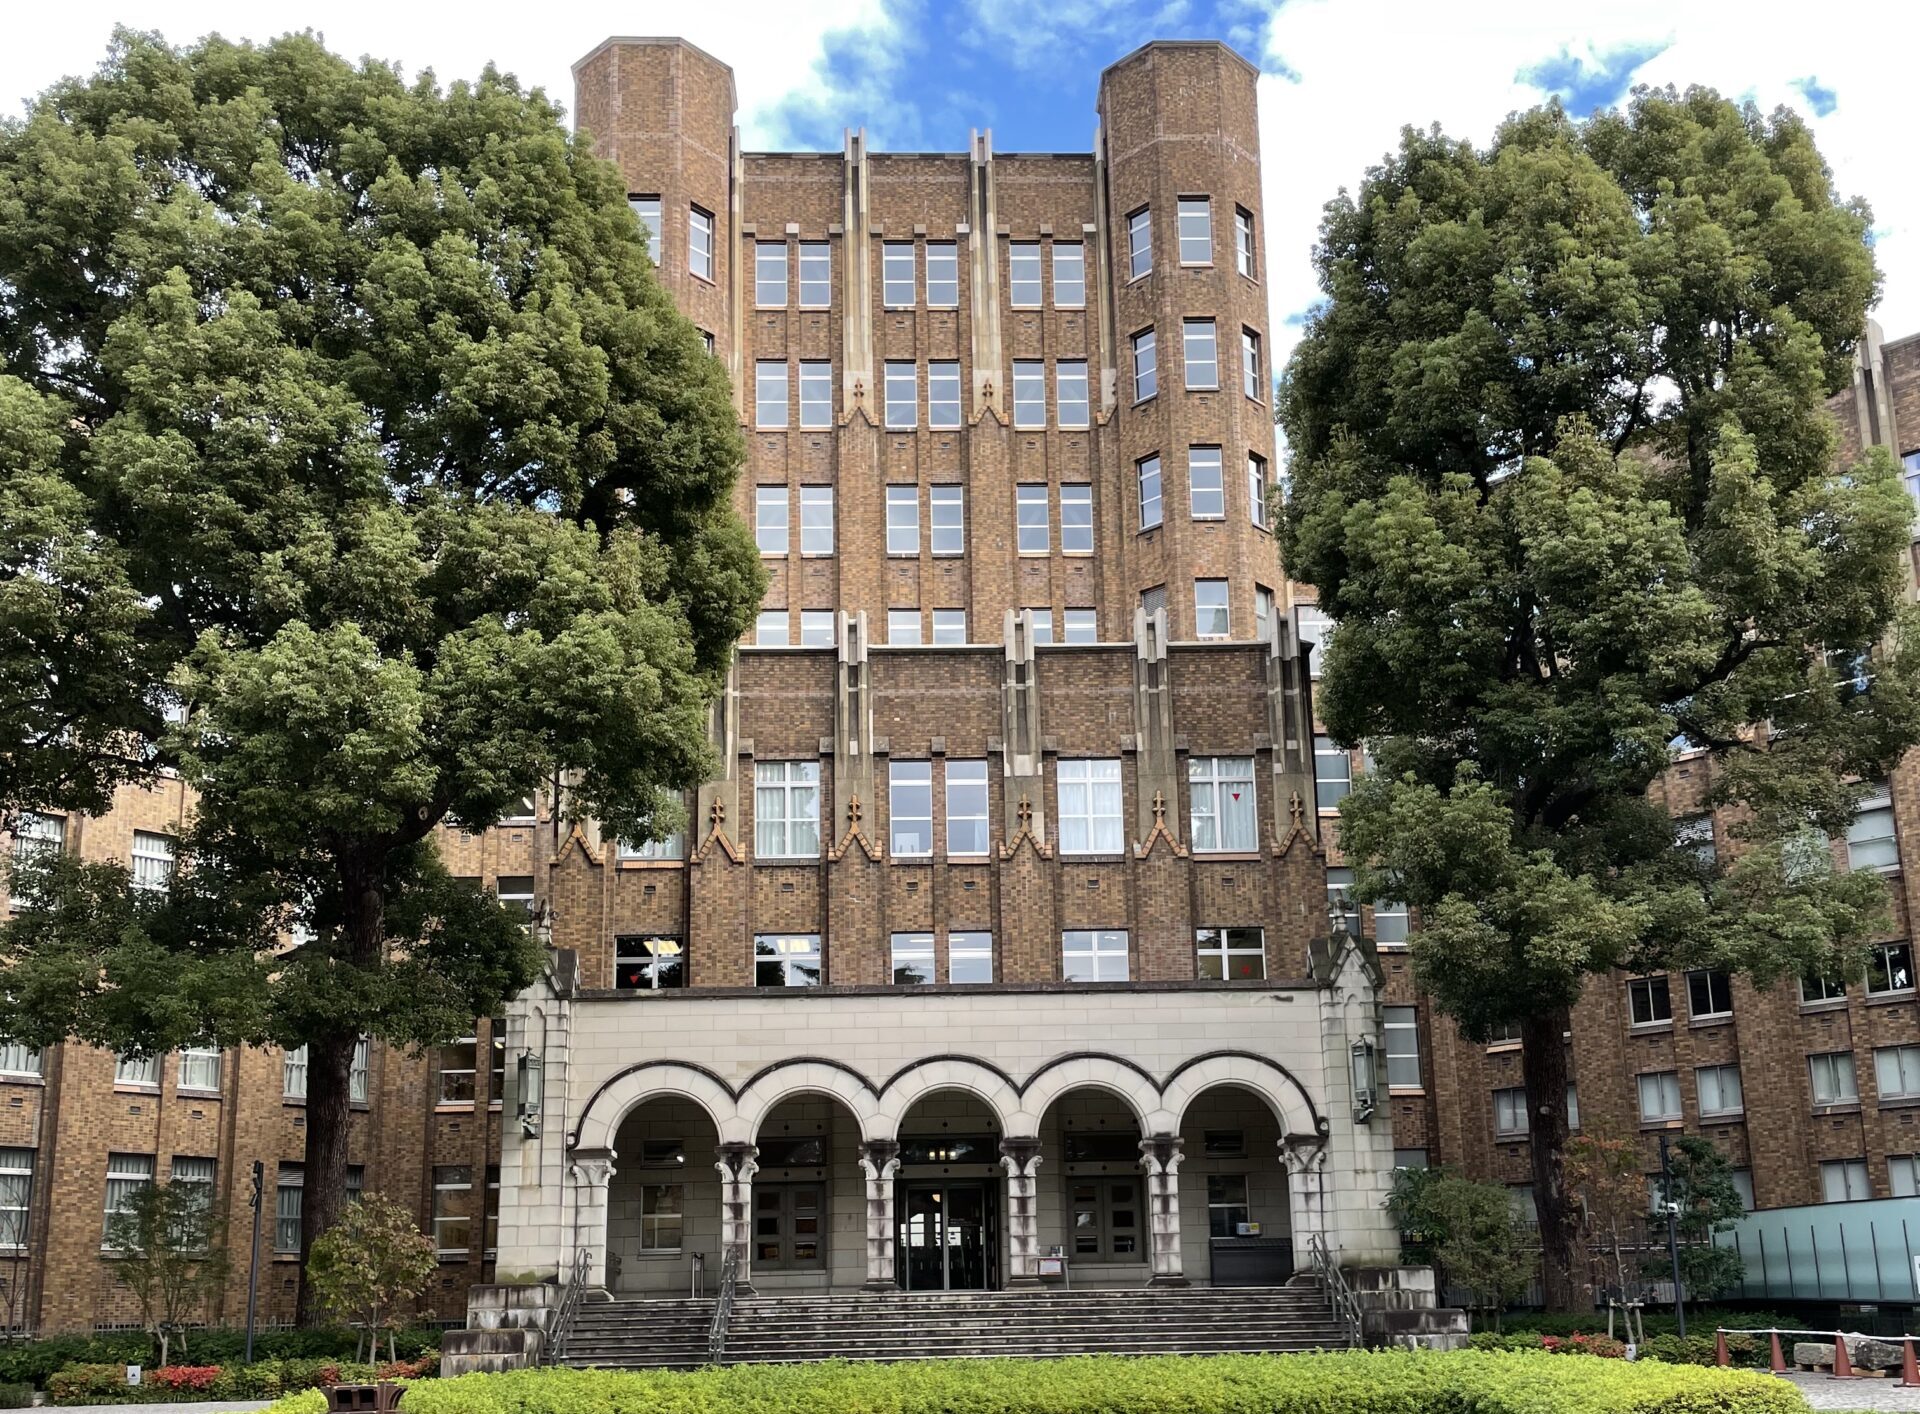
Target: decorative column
column 591, row 1170
column 1021, row 1159
column 1305, row 1157
column 738, row 1163
column 1160, row 1161
column 880, row 1161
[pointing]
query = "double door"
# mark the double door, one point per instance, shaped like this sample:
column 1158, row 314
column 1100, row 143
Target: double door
column 948, row 1238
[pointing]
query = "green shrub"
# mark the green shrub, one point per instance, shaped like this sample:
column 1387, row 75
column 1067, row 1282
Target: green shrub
column 1658, row 1320
column 33, row 1362
column 1343, row 1382
column 16, row 1396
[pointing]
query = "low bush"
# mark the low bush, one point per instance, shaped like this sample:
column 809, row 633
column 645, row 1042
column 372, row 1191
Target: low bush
column 264, row 1379
column 1743, row 1351
column 33, row 1362
column 1657, row 1319
column 16, row 1396
column 1343, row 1382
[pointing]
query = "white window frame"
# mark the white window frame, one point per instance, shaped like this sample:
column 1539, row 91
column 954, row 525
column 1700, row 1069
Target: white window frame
column 1076, row 518
column 1040, row 620
column 199, row 1069
column 791, row 953
column 1148, row 475
column 127, row 1174
column 1195, row 228
column 1332, row 773
column 1139, row 243
column 1510, row 1116
column 1872, row 839
column 1080, row 626
column 949, row 627
column 1094, row 955
column 910, row 809
column 1250, row 365
column 449, row 1180
column 899, row 274
column 153, row 855
column 1030, row 394
column 969, row 807
column 1312, row 624
column 903, row 520
column 1890, row 969
column 16, row 1196
column 969, row 946
column 772, row 520
column 903, row 394
column 1844, row 1181
column 457, row 1084
column 1719, row 1090
column 1071, row 407
column 647, row 211
column 1903, row 1177
column 1391, row 922
column 289, row 1207
column 654, row 955
column 1218, row 950
column 1402, row 1038
column 1659, row 1096
column 943, row 275
column 137, row 1072
column 773, row 628
column 943, row 394
column 903, row 628
column 18, row 1061
column 816, row 394
column 360, row 1072
column 1069, row 275
column 913, row 953
column 1024, row 285
column 1092, row 813
column 1216, row 823
column 816, row 628
column 1200, row 354
column 700, row 243
column 1033, row 525
column 1896, row 1072
column 1246, row 257
column 1657, row 993
column 1711, row 1014
column 1257, row 490
column 770, row 260
column 786, row 809
column 1830, row 1074
column 946, row 519
column 816, row 522
column 293, row 1073
column 1206, row 484
column 37, row 832
column 770, row 387
column 1146, row 365
column 816, row 274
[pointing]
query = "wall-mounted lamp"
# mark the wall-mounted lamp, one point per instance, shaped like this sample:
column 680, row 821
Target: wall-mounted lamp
column 530, row 1073
column 1365, row 1060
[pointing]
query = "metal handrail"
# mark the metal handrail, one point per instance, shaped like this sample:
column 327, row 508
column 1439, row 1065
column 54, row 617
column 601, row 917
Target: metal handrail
column 570, row 1297
column 723, row 1306
column 1346, row 1305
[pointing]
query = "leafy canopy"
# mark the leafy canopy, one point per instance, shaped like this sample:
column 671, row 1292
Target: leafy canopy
column 373, row 1262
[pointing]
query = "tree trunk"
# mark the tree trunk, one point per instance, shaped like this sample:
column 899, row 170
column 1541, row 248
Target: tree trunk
column 1563, row 1266
column 329, row 1061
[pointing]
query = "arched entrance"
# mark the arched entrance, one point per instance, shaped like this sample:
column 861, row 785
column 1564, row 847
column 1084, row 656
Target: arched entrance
column 1093, row 1206
column 1233, row 1190
column 947, row 1194
column 663, row 1200
column 809, row 1196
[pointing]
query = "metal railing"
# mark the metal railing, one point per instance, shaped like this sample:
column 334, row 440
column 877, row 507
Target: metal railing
column 723, row 1306
column 1345, row 1304
column 1841, row 1366
column 571, row 1295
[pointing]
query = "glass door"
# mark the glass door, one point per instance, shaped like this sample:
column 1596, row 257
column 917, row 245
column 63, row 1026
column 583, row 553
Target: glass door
column 946, row 1237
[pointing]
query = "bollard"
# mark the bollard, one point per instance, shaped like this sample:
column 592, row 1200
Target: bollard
column 1720, row 1356
column 1842, row 1366
column 1779, row 1360
column 1909, row 1370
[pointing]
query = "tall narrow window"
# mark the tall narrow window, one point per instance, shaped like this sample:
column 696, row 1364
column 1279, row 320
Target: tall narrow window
column 700, row 242
column 943, row 274
column 360, row 1066
column 903, row 520
column 1205, row 484
column 1230, row 954
column 16, row 1197
column 288, row 1200
column 913, row 960
column 1257, row 490
column 896, row 274
column 1069, row 275
column 1149, row 475
column 1871, row 843
column 646, row 210
column 816, row 274
column 1315, row 627
column 1034, row 534
column 816, row 393
column 1076, row 519
column 152, row 861
column 1202, row 353
column 1403, row 1047
column 293, row 1074
column 1023, row 274
column 950, row 627
column 1146, row 370
column 452, row 1211
column 770, row 274
column 1139, row 243
column 1153, row 601
column 910, row 807
column 1223, row 815
column 458, row 1064
column 1070, row 392
column 816, row 520
column 1040, row 621
column 947, row 520
column 1210, row 618
column 943, row 393
column 1029, row 392
column 1243, row 242
column 1080, row 626
column 1250, row 366
column 127, row 1175
column 1262, row 613
column 770, row 519
column 1332, row 773
column 1196, row 230
column 967, row 808
column 1090, row 807
column 903, row 628
column 970, row 957
column 1094, row 955
column 903, row 394
column 786, row 809
column 787, row 960
column 770, row 393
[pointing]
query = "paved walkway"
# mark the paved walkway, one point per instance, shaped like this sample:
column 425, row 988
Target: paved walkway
column 219, row 1407
column 1825, row 1393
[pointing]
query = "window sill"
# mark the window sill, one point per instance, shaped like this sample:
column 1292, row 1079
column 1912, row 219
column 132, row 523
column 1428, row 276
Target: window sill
column 1704, row 1023
column 759, row 427
column 1406, row 1092
column 122, row 1087
column 1891, row 998
column 1092, row 857
column 1654, row 1126
column 651, row 864
column 1730, row 1117
column 1228, row 856
column 1838, row 1109
column 1200, row 387
column 1504, row 1048
column 1500, row 1137
column 1648, row 1028
column 454, row 1107
column 1220, row 516
column 1900, row 1102
column 895, row 857
column 1814, row 1008
column 199, row 1092
column 11, row 1079
column 787, row 859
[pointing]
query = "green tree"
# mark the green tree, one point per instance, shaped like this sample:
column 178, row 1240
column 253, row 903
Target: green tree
column 1700, row 1182
column 368, row 1266
column 1605, row 1177
column 169, row 1246
column 1563, row 477
column 1468, row 1229
column 355, row 413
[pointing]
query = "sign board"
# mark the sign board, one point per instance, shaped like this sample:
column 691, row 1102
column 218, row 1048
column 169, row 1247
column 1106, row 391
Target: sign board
column 1053, row 1266
column 133, row 1374
column 1246, row 1229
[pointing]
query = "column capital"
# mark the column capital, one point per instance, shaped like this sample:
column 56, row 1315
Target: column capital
column 737, row 1162
column 880, row 1159
column 1304, row 1153
column 1020, row 1157
column 1161, row 1154
column 592, row 1167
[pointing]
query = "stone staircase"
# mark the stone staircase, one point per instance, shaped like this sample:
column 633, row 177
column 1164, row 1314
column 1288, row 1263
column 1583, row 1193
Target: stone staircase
column 949, row 1325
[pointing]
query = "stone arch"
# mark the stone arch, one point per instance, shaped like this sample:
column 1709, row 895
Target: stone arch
column 805, row 1075
column 989, row 1084
column 1092, row 1070
column 1292, row 1106
column 620, row 1094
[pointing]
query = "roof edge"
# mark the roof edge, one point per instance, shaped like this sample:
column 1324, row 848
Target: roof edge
column 1219, row 44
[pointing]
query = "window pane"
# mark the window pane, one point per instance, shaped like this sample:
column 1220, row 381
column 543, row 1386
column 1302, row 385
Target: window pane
column 943, row 393
column 1069, row 275
column 770, row 630
column 1081, row 626
column 903, row 627
column 1035, row 534
column 1076, row 520
column 949, row 626
column 1149, row 472
column 903, row 520
column 1243, row 241
column 816, row 274
column 816, row 394
column 1333, row 773
column 910, row 807
column 770, row 519
column 1202, row 354
column 816, row 520
column 770, row 273
column 700, row 243
column 1196, row 231
column 1070, row 392
column 946, row 520
column 913, row 960
column 770, row 394
column 897, row 273
column 1206, row 486
column 1023, row 274
column 943, row 274
column 1146, row 370
column 1029, row 393
column 1250, row 379
column 1090, row 807
column 903, row 394
column 1139, row 243
column 970, row 957
column 646, row 210
column 967, row 808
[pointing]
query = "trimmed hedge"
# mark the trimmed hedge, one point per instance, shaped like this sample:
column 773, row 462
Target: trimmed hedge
column 34, row 1362
column 264, row 1379
column 1342, row 1382
column 1658, row 1321
column 1748, row 1352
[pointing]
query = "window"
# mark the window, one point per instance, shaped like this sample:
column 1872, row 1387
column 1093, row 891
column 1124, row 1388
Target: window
column 1206, row 492
column 648, row 963
column 17, row 1060
column 771, row 629
column 646, row 210
column 903, row 520
column 1659, row 1097
column 515, row 892
column 1094, row 955
column 1814, row 990
column 910, row 806
column 1510, row 1111
column 816, row 393
column 1149, row 473
column 673, row 846
column 1403, row 1047
column 1844, row 1181
column 452, row 1211
column 1314, row 627
column 1196, row 230
column 662, row 1208
column 949, row 626
column 1573, row 1105
column 1035, row 533
column 943, row 393
column 1153, row 601
column 786, row 960
column 700, row 242
column 770, row 274
column 1389, row 922
column 1139, row 243
column 913, row 960
column 787, row 1223
column 1870, row 838
column 896, row 273
column 1227, row 1210
column 947, row 520
column 1718, row 1087
column 1340, row 892
column 1202, row 354
column 1833, row 1079
column 1023, row 274
column 1090, row 807
column 1146, row 372
column 458, row 1060
column 816, row 275
column 1257, row 490
column 359, row 1067
column 706, row 340
column 1332, row 773
column 1648, row 1001
column 1696, row 834
column 127, row 1174
column 1503, row 1033
column 199, row 1068
column 816, row 520
column 816, row 628
column 1223, row 1143
column 770, row 519
column 1409, row 1158
column 196, row 1176
column 1082, row 625
column 1250, row 366
column 903, row 628
column 1069, row 275
column 1230, row 954
column 35, row 834
column 293, row 1074
column 16, row 1196
column 1029, row 392
column 1221, row 799
column 1709, row 994
column 1903, row 1176
column 967, row 808
column 1896, row 1072
column 143, row 1071
column 1076, row 519
column 770, row 393
column 786, row 809
column 970, row 957
column 1890, row 969
column 1040, row 624
column 152, row 861
column 903, row 394
column 1070, row 392
column 1910, row 467
column 943, row 274
column 288, row 1195
column 1243, row 241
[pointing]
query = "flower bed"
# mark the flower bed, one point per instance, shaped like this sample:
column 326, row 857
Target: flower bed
column 264, row 1379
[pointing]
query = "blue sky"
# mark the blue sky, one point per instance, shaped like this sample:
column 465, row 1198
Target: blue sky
column 1339, row 77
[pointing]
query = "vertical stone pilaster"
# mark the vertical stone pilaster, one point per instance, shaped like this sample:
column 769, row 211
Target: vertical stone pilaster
column 1160, row 1161
column 880, row 1162
column 1305, row 1158
column 738, row 1163
column 1021, row 1159
column 591, row 1171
